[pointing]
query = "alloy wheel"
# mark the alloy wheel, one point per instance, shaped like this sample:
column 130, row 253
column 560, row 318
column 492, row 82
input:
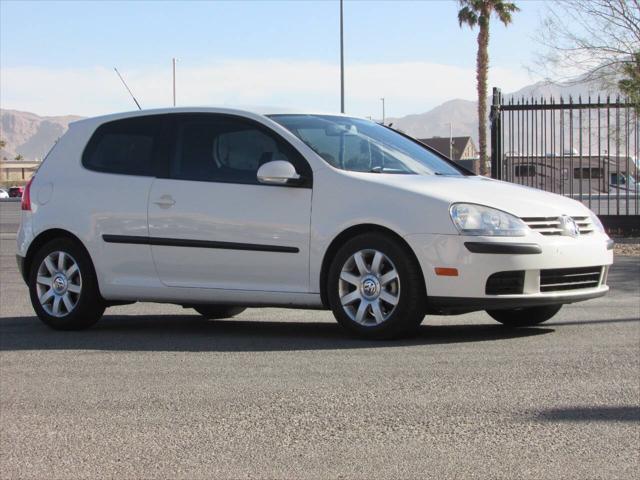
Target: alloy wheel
column 59, row 284
column 369, row 287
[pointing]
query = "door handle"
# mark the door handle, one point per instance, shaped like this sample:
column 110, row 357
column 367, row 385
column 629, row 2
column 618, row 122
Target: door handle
column 165, row 201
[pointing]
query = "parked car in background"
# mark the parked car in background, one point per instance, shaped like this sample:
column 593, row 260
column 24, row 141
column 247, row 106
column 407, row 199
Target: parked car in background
column 16, row 192
column 220, row 209
column 3, row 193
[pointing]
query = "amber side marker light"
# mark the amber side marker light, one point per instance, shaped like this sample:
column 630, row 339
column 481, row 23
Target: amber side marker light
column 446, row 272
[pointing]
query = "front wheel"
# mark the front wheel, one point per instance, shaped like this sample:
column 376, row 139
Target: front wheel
column 524, row 317
column 375, row 288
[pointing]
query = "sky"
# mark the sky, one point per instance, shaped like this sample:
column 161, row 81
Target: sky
column 57, row 58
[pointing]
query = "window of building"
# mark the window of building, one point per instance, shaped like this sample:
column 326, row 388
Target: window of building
column 525, row 171
column 588, row 172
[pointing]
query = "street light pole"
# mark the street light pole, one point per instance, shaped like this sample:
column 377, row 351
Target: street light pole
column 382, row 99
column 341, row 60
column 450, row 139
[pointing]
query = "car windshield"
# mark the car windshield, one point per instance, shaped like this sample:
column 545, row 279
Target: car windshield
column 364, row 146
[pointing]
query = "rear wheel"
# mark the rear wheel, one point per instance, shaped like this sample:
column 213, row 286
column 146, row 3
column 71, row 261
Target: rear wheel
column 524, row 317
column 375, row 287
column 214, row 312
column 63, row 286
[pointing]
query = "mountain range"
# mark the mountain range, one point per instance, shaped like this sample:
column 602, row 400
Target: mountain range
column 31, row 136
column 462, row 114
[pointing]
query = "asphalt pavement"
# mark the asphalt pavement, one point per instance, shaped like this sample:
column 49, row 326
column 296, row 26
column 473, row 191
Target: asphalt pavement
column 154, row 391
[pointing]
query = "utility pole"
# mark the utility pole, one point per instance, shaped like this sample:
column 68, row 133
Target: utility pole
column 341, row 60
column 450, row 139
column 174, row 81
column 382, row 99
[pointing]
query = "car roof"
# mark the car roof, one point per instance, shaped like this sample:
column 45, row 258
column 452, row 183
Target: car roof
column 242, row 111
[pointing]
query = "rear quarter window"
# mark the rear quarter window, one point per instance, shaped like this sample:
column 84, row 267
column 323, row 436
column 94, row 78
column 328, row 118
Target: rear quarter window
column 130, row 146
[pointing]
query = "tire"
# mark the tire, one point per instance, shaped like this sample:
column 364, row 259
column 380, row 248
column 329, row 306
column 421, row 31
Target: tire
column 524, row 317
column 215, row 312
column 368, row 293
column 73, row 301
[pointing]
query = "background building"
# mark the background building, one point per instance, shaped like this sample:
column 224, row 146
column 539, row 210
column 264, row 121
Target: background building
column 462, row 150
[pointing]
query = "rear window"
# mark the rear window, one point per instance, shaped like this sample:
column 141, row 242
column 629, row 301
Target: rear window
column 127, row 146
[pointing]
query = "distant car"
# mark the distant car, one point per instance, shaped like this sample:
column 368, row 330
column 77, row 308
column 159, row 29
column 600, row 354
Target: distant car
column 624, row 182
column 3, row 193
column 16, row 192
column 219, row 209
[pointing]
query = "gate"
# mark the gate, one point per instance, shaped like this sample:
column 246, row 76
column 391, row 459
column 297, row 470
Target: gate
column 586, row 150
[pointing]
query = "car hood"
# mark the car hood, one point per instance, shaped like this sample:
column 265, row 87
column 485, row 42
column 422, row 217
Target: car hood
column 516, row 199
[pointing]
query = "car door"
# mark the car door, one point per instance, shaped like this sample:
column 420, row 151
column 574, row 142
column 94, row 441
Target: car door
column 213, row 225
column 112, row 191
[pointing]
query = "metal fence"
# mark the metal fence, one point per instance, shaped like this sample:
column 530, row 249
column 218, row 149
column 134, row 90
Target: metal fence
column 587, row 149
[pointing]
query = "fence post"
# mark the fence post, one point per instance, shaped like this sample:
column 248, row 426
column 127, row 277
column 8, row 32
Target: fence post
column 496, row 140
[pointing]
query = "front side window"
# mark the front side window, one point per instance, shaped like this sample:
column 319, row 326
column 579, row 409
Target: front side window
column 125, row 146
column 226, row 149
column 364, row 146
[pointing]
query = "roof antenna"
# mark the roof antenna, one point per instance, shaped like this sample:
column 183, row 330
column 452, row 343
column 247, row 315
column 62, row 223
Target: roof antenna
column 128, row 89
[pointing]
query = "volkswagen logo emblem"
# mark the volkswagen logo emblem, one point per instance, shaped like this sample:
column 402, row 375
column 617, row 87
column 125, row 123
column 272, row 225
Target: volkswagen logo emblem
column 370, row 287
column 568, row 226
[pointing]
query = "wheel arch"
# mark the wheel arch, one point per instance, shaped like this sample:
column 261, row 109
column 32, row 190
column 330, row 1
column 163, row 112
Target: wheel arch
column 350, row 233
column 42, row 239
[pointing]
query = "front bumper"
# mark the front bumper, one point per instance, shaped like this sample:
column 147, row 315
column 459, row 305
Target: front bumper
column 454, row 306
column 476, row 260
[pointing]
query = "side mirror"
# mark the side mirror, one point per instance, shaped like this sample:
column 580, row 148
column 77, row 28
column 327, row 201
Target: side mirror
column 278, row 172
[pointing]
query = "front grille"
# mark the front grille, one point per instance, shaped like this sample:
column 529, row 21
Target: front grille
column 551, row 225
column 505, row 283
column 558, row 279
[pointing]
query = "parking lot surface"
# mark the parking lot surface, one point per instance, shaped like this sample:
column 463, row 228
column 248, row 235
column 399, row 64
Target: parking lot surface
column 154, row 391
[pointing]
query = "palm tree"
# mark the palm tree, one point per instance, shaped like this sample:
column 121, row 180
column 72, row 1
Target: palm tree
column 478, row 12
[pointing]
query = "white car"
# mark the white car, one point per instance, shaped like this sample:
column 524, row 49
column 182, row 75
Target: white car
column 221, row 209
column 3, row 193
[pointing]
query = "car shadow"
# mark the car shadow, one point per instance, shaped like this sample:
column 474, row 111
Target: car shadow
column 191, row 333
column 624, row 275
column 560, row 323
column 590, row 414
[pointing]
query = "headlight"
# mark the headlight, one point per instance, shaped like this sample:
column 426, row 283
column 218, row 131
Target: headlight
column 597, row 224
column 471, row 219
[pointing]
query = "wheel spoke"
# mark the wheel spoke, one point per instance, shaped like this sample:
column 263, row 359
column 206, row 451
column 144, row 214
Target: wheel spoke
column 68, row 304
column 377, row 312
column 73, row 288
column 362, row 267
column 350, row 278
column 61, row 261
column 46, row 296
column 388, row 277
column 350, row 297
column 45, row 280
column 72, row 270
column 388, row 297
column 377, row 262
column 362, row 309
column 50, row 266
column 56, row 306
